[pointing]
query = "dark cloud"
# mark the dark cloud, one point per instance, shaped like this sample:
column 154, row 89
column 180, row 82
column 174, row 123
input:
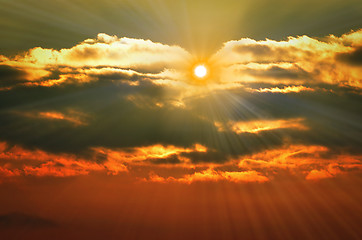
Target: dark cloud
column 90, row 106
column 85, row 53
column 212, row 156
column 172, row 159
column 352, row 58
column 279, row 73
column 111, row 76
column 256, row 49
column 10, row 76
column 115, row 122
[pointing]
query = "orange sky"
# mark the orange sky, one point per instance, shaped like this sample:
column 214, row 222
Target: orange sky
column 107, row 132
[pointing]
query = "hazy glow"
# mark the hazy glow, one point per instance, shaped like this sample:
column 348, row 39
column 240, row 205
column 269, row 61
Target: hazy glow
column 265, row 125
column 200, row 71
column 201, row 119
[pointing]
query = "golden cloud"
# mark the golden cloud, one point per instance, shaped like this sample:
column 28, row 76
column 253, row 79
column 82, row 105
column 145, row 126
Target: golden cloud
column 148, row 155
column 124, row 58
column 108, row 51
column 286, row 89
column 257, row 126
column 298, row 60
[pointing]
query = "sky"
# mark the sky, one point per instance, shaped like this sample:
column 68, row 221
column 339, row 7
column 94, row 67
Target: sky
column 106, row 132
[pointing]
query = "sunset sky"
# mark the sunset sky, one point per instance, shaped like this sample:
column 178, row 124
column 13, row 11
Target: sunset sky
column 187, row 119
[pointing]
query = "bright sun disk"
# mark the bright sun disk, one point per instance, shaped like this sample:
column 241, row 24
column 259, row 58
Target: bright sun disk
column 200, row 71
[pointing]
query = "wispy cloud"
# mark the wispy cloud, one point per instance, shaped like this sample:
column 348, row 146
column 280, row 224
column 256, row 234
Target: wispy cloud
column 285, row 89
column 257, row 126
column 72, row 116
column 311, row 161
column 211, row 175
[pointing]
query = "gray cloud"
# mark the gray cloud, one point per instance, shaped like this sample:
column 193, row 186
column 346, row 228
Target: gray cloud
column 279, row 73
column 10, row 76
column 353, row 58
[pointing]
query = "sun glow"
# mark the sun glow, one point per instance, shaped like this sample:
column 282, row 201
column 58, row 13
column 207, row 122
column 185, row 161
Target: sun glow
column 200, row 71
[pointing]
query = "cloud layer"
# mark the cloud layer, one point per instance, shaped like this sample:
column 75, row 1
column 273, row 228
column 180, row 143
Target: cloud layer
column 267, row 108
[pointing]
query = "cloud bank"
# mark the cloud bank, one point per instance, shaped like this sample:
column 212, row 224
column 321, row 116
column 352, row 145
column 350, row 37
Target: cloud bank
column 113, row 105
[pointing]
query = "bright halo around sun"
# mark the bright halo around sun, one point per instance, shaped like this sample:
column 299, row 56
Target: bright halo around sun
column 200, row 71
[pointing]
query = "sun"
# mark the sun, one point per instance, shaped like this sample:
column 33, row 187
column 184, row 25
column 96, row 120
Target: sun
column 200, row 71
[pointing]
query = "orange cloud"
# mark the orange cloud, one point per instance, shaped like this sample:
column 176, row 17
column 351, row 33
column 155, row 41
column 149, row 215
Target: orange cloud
column 334, row 169
column 211, row 175
column 245, row 176
column 77, row 118
column 312, row 162
column 318, row 174
column 21, row 161
column 300, row 159
column 57, row 169
column 147, row 155
column 41, row 163
column 266, row 125
column 4, row 172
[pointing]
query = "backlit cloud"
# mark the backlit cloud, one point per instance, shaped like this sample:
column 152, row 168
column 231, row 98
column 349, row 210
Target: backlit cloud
column 286, row 89
column 264, row 125
column 72, row 116
column 108, row 50
column 314, row 162
column 106, row 57
column 331, row 60
column 299, row 60
column 17, row 161
column 180, row 119
column 210, row 175
column 115, row 104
